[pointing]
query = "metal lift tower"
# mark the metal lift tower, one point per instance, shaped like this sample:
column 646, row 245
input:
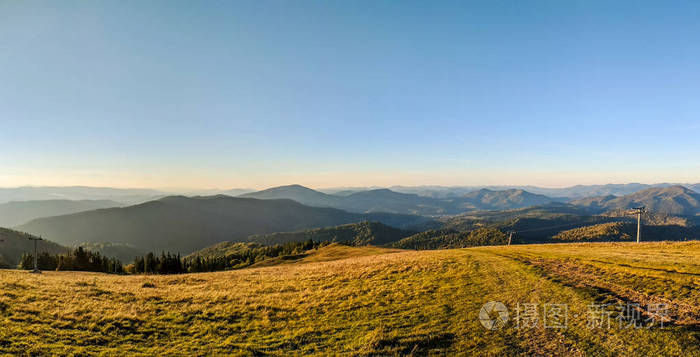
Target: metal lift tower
column 638, row 211
column 36, row 256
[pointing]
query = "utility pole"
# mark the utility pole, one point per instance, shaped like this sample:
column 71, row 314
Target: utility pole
column 36, row 256
column 510, row 237
column 639, row 211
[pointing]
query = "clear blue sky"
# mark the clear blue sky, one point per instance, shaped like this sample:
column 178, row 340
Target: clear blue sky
column 342, row 93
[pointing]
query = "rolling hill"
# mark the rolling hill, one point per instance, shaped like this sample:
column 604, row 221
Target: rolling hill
column 185, row 224
column 301, row 194
column 486, row 199
column 327, row 253
column 15, row 213
column 13, row 244
column 675, row 200
column 223, row 249
column 627, row 231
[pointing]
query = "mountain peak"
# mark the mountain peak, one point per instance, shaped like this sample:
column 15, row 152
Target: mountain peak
column 285, row 188
column 295, row 186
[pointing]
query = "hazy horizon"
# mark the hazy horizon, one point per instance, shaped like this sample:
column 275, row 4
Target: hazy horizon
column 195, row 189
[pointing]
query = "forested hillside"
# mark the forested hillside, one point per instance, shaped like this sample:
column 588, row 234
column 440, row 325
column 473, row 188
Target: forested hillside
column 185, row 224
column 449, row 239
column 362, row 233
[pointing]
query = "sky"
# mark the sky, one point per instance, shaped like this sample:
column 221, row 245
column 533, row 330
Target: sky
column 223, row 94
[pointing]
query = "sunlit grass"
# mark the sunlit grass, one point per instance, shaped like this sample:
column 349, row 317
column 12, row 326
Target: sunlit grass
column 423, row 302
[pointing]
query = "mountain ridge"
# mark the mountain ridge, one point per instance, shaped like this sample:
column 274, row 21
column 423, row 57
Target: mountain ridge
column 675, row 200
column 386, row 200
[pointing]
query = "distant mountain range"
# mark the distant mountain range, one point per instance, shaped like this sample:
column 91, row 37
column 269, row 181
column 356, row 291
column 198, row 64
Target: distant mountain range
column 18, row 212
column 185, row 224
column 381, row 200
column 572, row 192
column 135, row 196
column 675, row 200
column 385, row 200
column 668, row 199
column 124, row 196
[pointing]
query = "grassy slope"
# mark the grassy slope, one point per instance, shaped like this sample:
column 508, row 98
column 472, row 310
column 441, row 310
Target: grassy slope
column 425, row 302
column 328, row 253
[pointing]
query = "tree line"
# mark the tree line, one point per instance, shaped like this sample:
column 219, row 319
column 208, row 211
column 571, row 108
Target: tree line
column 76, row 259
column 168, row 263
column 80, row 259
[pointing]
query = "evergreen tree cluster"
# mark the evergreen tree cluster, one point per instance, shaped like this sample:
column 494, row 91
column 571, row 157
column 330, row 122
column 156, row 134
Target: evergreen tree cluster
column 165, row 264
column 168, row 263
column 77, row 259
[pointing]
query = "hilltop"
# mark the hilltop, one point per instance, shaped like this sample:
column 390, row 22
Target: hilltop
column 223, row 249
column 328, row 253
column 301, row 194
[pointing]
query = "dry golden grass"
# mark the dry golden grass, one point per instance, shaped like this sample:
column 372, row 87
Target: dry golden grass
column 423, row 302
column 328, row 253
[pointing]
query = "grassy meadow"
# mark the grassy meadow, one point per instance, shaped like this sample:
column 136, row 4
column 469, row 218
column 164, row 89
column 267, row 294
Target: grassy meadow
column 363, row 301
